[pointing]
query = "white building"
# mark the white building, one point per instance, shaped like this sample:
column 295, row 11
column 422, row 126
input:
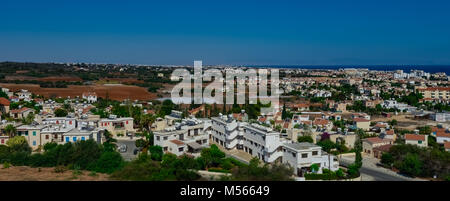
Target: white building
column 91, row 97
column 442, row 138
column 24, row 95
column 262, row 142
column 190, row 136
column 301, row 156
column 227, row 132
column 266, row 144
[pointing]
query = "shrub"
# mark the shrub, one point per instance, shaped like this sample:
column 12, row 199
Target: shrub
column 19, row 158
column 156, row 153
column 6, row 165
column 4, row 153
column 92, row 174
column 226, row 164
column 218, row 170
column 305, row 139
column 59, row 169
column 353, row 171
column 19, row 144
column 109, row 162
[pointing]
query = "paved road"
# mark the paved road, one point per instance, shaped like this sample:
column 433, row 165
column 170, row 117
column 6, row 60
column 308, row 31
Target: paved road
column 371, row 173
column 128, row 156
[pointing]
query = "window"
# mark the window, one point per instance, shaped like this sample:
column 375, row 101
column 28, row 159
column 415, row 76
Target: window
column 293, row 154
column 74, row 139
column 304, row 155
column 157, row 138
column 420, row 141
column 165, row 148
column 165, row 138
column 180, row 149
column 34, row 133
column 314, row 153
column 83, row 138
column 26, row 133
column 126, row 122
column 46, row 137
column 34, row 143
column 3, row 141
column 70, row 122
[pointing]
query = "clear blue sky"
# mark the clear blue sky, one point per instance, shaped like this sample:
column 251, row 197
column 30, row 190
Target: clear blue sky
column 315, row 32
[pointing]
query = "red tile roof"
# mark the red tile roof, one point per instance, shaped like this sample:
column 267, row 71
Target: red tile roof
column 390, row 132
column 437, row 130
column 435, row 89
column 319, row 121
column 19, row 110
column 4, row 101
column 383, row 148
column 441, row 134
column 414, row 137
column 447, row 145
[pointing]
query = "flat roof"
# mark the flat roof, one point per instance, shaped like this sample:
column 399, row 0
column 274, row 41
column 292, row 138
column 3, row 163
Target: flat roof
column 301, row 145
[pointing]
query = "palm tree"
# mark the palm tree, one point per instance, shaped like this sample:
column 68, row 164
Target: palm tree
column 146, row 121
column 110, row 143
column 10, row 130
column 145, row 142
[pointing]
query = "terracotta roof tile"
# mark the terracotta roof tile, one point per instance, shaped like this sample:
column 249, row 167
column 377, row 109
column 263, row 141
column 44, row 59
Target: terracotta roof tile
column 414, row 137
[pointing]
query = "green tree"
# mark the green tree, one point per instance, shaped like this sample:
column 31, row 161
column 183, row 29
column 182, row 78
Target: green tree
column 212, row 156
column 3, row 94
column 10, row 130
column 412, row 165
column 109, row 162
column 156, row 153
column 110, row 142
column 305, row 139
column 314, row 168
column 387, row 159
column 19, row 144
column 145, row 142
column 358, row 150
column 60, row 112
column 327, row 145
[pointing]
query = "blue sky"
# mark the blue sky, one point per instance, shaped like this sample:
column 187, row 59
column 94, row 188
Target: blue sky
column 227, row 32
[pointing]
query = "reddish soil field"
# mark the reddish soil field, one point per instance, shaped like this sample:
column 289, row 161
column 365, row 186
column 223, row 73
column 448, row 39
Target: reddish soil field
column 115, row 92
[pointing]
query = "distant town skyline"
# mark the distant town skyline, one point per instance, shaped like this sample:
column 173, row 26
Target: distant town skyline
column 227, row 33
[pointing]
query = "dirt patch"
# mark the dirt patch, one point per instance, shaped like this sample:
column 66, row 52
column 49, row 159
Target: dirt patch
column 405, row 121
column 115, row 92
column 56, row 79
column 23, row 173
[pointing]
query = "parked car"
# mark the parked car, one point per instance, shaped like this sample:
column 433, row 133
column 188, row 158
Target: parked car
column 122, row 148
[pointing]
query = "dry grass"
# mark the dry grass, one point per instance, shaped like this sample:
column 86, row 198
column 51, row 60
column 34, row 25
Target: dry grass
column 23, row 173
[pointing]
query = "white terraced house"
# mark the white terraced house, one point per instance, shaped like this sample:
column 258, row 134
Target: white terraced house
column 190, row 136
column 264, row 143
column 227, row 132
column 301, row 156
column 115, row 126
column 64, row 122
